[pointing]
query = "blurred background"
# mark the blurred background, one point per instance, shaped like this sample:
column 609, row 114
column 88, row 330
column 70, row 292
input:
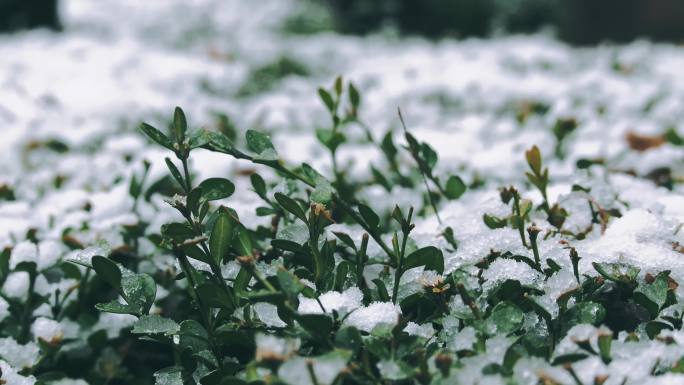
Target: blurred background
column 595, row 82
column 574, row 21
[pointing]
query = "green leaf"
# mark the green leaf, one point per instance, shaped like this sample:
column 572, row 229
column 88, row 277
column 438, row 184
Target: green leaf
column 180, row 125
column 493, row 222
column 221, row 143
column 673, row 137
column 505, row 318
column 338, row 85
column 169, row 376
column 155, row 324
column 216, row 188
column 214, row 296
column 286, row 245
column 117, row 308
column 193, row 335
column 107, row 270
column 175, row 172
column 318, row 325
column 428, row 155
column 330, row 139
column 654, row 295
column 583, row 313
column 327, row 99
column 177, row 232
column 139, row 290
column 617, row 272
column 383, row 295
column 369, row 216
column 348, row 337
column 289, row 283
column 4, row 264
column 354, row 97
column 221, row 236
column 291, row 206
column 454, row 187
column 242, row 280
column 430, row 257
column 258, row 184
column 569, row 358
column 533, row 157
column 192, row 201
column 322, row 193
column 199, row 138
column 312, row 175
column 261, row 144
column 157, row 136
column 605, row 341
column 346, row 239
column 194, row 252
column 653, row 328
column 341, row 275
column 388, row 147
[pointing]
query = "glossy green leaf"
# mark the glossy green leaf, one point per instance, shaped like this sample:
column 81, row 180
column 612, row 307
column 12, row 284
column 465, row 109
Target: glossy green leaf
column 216, row 188
column 318, row 325
column 140, row 291
column 117, row 308
column 327, row 99
column 653, row 295
column 199, row 138
column 583, row 313
column 175, row 172
column 261, row 145
column 258, row 184
column 454, row 187
column 322, row 193
column 157, row 136
column 617, row 272
column 155, row 324
column 533, row 157
column 493, row 222
column 169, row 376
column 354, row 97
column 107, row 270
column 221, row 236
column 291, row 206
column 180, row 124
column 289, row 283
column 430, row 257
column 505, row 318
column 369, row 216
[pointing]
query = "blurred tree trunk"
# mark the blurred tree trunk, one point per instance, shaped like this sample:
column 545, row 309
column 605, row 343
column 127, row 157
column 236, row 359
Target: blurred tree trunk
column 26, row 14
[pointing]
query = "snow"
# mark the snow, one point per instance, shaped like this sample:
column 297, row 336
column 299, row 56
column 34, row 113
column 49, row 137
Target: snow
column 326, row 368
column 47, row 330
column 4, row 309
column 504, row 269
column 377, row 313
column 424, row 330
column 268, row 314
column 16, row 285
column 11, row 377
column 343, row 302
column 464, row 339
column 17, row 355
column 641, row 238
column 270, row 347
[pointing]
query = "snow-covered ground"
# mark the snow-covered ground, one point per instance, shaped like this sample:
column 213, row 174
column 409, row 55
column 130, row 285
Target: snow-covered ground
column 71, row 103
